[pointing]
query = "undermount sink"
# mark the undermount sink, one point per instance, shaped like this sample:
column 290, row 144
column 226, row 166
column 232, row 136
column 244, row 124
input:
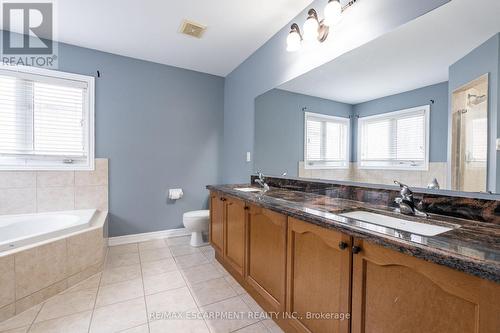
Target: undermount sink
column 423, row 229
column 247, row 189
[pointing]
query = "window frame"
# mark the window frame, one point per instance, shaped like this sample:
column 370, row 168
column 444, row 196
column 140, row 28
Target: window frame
column 43, row 162
column 405, row 167
column 319, row 165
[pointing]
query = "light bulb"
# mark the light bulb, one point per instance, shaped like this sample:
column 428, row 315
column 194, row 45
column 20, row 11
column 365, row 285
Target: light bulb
column 310, row 28
column 293, row 41
column 333, row 13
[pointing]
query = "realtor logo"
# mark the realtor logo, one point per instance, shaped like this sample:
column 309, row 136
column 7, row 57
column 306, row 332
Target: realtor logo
column 28, row 33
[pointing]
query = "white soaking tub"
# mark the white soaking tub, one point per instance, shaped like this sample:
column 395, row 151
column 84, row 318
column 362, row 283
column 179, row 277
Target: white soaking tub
column 25, row 229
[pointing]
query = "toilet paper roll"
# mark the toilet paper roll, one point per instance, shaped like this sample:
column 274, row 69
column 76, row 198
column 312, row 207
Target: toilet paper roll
column 175, row 193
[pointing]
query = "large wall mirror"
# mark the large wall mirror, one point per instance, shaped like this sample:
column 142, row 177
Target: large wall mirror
column 420, row 105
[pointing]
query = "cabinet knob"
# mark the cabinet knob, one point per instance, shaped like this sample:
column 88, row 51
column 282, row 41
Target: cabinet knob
column 356, row 249
column 247, row 208
column 343, row 245
column 223, row 199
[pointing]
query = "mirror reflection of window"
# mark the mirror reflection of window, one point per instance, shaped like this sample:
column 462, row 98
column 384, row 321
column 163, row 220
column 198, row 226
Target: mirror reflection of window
column 395, row 140
column 326, row 141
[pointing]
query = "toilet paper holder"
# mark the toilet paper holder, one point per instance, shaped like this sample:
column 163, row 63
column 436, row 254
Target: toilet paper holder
column 175, row 193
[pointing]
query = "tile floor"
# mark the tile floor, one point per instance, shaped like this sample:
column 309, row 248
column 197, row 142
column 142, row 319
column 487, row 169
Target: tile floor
column 140, row 286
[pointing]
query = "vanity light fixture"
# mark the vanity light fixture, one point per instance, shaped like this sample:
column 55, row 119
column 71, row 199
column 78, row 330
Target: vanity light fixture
column 314, row 28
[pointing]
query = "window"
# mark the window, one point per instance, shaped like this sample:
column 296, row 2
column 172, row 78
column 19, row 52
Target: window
column 395, row 140
column 46, row 120
column 326, row 141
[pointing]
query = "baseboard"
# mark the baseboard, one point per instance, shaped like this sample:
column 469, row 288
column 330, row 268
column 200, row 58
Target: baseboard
column 127, row 239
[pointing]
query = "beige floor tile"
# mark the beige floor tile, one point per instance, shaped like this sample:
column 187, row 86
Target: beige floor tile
column 118, row 317
column 172, row 300
column 92, row 283
column 211, row 291
column 23, row 319
column 191, row 323
column 191, row 260
column 158, row 267
column 220, row 267
column 209, row 254
column 184, row 240
column 254, row 306
column 182, row 250
column 155, row 254
column 162, row 282
column 152, row 244
column 235, row 285
column 122, row 259
column 206, row 248
column 138, row 329
column 254, row 328
column 272, row 326
column 201, row 273
column 66, row 304
column 18, row 330
column 233, row 305
column 124, row 248
column 76, row 323
column 119, row 292
column 120, row 274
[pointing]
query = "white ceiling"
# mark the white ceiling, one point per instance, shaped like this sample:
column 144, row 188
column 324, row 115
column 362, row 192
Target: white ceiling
column 415, row 55
column 148, row 29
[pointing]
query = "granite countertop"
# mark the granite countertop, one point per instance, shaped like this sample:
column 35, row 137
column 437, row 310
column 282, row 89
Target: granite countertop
column 473, row 248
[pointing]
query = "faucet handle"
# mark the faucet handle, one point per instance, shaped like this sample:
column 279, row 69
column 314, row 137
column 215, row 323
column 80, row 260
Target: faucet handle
column 404, row 189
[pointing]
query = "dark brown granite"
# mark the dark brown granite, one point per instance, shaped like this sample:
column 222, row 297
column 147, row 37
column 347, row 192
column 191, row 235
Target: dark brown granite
column 475, row 206
column 473, row 247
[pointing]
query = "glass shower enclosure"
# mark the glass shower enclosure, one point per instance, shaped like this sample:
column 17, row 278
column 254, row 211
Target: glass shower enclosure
column 469, row 150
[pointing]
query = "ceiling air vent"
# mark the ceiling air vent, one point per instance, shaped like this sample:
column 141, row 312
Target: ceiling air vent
column 192, row 29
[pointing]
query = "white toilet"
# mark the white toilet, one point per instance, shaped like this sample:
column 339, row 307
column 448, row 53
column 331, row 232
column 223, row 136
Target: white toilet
column 197, row 223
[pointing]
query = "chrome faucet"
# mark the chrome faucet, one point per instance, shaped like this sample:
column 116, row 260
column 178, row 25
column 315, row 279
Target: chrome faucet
column 406, row 202
column 261, row 181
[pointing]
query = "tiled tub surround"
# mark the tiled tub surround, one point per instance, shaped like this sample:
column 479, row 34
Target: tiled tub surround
column 24, row 192
column 473, row 248
column 31, row 274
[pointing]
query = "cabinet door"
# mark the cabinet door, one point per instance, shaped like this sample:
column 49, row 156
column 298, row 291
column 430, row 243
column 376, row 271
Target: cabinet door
column 234, row 242
column 216, row 231
column 394, row 293
column 318, row 279
column 266, row 255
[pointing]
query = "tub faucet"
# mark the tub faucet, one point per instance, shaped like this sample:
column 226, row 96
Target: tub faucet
column 406, row 202
column 261, row 181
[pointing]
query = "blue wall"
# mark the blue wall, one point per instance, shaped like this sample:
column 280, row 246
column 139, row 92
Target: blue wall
column 422, row 96
column 483, row 59
column 271, row 66
column 279, row 121
column 161, row 127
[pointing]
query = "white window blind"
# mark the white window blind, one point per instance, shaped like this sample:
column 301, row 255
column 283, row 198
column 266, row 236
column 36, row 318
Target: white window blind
column 46, row 119
column 395, row 140
column 326, row 141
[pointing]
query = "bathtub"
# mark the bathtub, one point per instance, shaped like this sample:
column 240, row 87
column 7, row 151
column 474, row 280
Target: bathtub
column 44, row 254
column 24, row 229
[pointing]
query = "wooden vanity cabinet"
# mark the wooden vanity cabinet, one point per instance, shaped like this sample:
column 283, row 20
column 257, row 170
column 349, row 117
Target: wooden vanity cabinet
column 216, row 227
column 234, row 234
column 266, row 256
column 318, row 277
column 393, row 293
column 296, row 267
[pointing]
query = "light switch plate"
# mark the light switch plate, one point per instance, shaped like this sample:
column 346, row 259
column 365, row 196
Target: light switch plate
column 498, row 144
column 249, row 158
